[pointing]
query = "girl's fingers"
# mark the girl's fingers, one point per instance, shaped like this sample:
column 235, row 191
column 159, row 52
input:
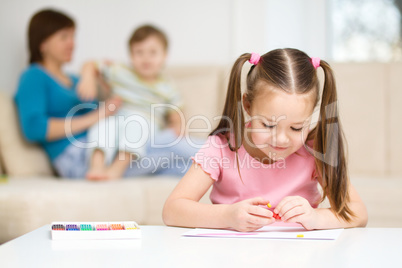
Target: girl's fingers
column 289, row 206
column 283, row 206
column 294, row 212
column 251, row 228
column 278, row 207
column 259, row 211
column 254, row 225
column 258, row 201
column 295, row 219
column 260, row 221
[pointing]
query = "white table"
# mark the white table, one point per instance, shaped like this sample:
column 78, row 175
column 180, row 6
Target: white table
column 162, row 246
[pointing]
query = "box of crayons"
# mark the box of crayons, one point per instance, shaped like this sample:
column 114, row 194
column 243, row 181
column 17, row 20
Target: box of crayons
column 95, row 230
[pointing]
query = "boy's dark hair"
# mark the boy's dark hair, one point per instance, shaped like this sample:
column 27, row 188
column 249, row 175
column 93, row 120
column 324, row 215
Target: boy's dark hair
column 145, row 31
column 42, row 25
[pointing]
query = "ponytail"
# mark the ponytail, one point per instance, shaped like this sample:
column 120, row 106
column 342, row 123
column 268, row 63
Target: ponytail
column 232, row 122
column 330, row 149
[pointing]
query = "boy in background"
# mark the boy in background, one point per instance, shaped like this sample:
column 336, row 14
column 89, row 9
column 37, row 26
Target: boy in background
column 139, row 86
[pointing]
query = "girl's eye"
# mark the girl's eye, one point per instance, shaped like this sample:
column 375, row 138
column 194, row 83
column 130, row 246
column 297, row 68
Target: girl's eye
column 296, row 129
column 268, row 126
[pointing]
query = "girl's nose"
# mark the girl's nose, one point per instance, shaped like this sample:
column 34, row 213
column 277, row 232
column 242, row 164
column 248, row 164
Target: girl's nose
column 281, row 139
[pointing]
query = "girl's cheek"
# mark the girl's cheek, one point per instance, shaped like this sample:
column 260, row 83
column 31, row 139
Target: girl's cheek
column 298, row 141
column 261, row 138
column 303, row 136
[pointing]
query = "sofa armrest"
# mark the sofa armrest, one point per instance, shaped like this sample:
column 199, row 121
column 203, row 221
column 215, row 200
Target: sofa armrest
column 19, row 158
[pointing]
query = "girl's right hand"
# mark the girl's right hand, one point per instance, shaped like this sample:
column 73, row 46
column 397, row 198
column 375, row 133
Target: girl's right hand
column 247, row 215
column 109, row 107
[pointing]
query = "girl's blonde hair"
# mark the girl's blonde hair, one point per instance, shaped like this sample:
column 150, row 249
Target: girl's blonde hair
column 291, row 70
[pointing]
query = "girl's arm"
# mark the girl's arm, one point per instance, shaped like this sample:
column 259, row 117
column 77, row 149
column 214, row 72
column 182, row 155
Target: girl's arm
column 59, row 127
column 298, row 209
column 183, row 209
column 326, row 218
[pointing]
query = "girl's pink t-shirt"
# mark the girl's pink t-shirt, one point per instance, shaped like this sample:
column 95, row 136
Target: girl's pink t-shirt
column 292, row 176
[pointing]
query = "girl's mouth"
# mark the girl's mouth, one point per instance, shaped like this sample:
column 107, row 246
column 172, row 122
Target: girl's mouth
column 278, row 148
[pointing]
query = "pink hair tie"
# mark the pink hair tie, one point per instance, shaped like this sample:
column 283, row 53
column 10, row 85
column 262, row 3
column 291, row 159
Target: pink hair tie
column 316, row 62
column 255, row 58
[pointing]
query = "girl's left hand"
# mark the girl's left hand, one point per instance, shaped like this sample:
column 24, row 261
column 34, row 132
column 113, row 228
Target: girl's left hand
column 297, row 209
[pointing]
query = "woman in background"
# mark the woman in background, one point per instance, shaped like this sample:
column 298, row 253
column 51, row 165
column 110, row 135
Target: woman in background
column 49, row 109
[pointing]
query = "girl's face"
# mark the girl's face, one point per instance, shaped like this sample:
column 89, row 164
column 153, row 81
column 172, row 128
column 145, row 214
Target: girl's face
column 59, row 46
column 279, row 122
column 148, row 57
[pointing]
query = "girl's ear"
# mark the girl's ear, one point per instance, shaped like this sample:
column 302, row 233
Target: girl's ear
column 246, row 104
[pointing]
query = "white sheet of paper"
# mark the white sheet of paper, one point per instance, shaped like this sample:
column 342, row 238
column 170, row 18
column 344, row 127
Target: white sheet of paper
column 269, row 232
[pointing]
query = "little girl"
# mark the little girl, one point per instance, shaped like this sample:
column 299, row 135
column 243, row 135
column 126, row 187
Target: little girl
column 274, row 157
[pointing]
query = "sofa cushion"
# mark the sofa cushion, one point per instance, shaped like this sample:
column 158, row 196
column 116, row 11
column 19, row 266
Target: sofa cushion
column 363, row 105
column 394, row 130
column 202, row 90
column 18, row 156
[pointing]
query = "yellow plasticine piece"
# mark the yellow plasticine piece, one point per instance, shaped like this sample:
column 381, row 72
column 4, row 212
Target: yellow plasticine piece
column 269, row 205
column 300, row 235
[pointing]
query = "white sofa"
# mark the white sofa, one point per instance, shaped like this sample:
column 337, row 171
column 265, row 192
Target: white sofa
column 31, row 196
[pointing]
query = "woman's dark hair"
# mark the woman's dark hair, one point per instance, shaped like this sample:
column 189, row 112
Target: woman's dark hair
column 42, row 25
column 292, row 71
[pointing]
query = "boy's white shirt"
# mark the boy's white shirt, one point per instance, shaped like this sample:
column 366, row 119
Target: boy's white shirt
column 138, row 97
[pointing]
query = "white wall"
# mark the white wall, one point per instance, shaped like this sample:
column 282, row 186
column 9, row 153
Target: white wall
column 200, row 32
column 265, row 25
column 299, row 24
